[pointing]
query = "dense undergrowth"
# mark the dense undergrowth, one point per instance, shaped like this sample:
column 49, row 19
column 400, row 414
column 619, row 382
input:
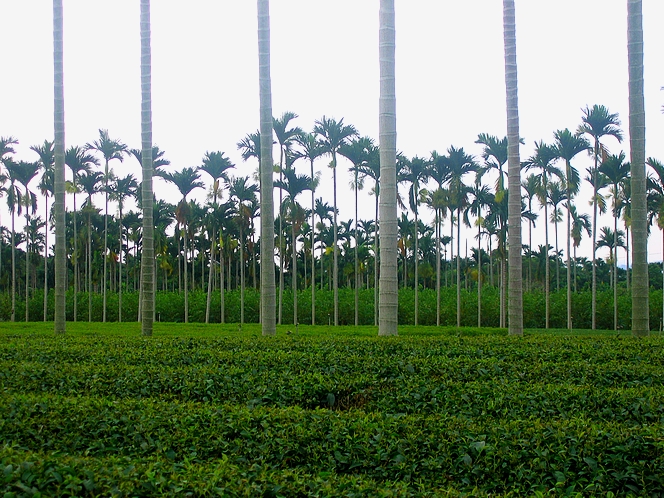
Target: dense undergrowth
column 319, row 412
column 170, row 307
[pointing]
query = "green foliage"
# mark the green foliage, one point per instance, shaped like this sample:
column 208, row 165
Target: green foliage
column 170, row 307
column 436, row 411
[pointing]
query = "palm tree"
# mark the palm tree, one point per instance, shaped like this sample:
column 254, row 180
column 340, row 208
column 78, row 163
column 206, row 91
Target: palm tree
column 439, row 201
column 47, row 157
column 268, row 302
column 580, row 223
column 656, row 204
column 158, row 159
column 417, row 172
column 616, row 170
column 333, row 135
column 215, row 164
column 481, row 198
column 110, row 149
column 79, row 162
column 494, row 154
column 543, row 160
column 123, row 188
column 371, row 169
column 90, row 183
column 20, row 172
column 185, row 180
column 285, row 137
column 59, row 128
column 613, row 240
column 242, row 192
column 637, row 140
column 531, row 186
column 568, row 145
column 598, row 122
column 459, row 164
column 555, row 196
column 294, row 184
column 358, row 152
column 312, row 149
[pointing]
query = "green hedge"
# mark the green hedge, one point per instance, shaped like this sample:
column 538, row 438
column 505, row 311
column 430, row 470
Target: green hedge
column 170, row 307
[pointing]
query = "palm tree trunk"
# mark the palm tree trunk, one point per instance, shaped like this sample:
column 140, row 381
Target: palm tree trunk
column 335, row 271
column 294, row 277
column 376, row 264
column 281, row 236
column 615, row 265
column 186, row 281
column 357, row 264
column 388, row 296
column 416, row 265
column 45, row 258
column 27, row 263
column 89, row 269
column 268, row 290
column 13, row 315
column 515, row 300
column 59, row 183
column 241, row 270
column 75, row 260
column 313, row 258
column 479, row 274
column 208, row 299
column 458, row 268
column 438, row 227
column 120, row 267
column 637, row 131
column 569, row 262
column 105, row 241
column 594, row 281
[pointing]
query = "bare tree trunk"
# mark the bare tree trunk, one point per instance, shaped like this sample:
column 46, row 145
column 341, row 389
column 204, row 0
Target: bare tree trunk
column 388, row 296
column 268, row 290
column 59, row 126
column 515, row 300
column 637, row 139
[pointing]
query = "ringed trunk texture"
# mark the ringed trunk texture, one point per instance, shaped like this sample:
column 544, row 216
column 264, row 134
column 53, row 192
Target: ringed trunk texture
column 147, row 281
column 388, row 294
column 637, row 143
column 268, row 288
column 59, row 183
column 515, row 298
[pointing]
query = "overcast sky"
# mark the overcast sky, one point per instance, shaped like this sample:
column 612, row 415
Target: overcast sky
column 450, row 77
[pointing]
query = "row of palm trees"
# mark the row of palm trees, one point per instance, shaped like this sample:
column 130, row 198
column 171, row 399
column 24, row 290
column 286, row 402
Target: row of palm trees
column 442, row 182
column 568, row 146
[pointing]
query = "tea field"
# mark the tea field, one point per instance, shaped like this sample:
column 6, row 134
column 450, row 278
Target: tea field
column 213, row 410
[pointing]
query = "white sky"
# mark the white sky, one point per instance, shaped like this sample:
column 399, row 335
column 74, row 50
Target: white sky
column 450, row 83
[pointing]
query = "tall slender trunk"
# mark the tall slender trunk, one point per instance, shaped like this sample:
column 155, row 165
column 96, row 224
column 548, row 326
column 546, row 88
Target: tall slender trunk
column 27, row 264
column 458, row 269
column 376, row 264
column 388, row 295
column 75, row 258
column 268, row 291
column 479, row 273
column 357, row 265
column 241, row 270
column 59, row 181
column 294, row 277
column 120, row 267
column 417, row 253
column 438, row 228
column 335, row 249
column 105, row 241
column 89, row 268
column 637, row 139
column 13, row 314
column 45, row 258
column 594, row 278
column 615, row 264
column 313, row 257
column 515, row 300
column 281, row 235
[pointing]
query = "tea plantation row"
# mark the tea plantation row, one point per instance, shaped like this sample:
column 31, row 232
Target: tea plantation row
column 243, row 415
